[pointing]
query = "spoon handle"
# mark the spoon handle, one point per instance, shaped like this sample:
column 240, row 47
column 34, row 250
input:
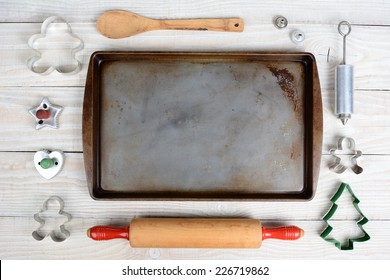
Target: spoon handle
column 222, row 24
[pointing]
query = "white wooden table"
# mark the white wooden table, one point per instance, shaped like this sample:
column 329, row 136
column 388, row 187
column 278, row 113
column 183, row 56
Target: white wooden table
column 23, row 190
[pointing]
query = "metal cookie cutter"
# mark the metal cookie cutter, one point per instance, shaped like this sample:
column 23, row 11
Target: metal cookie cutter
column 333, row 209
column 337, row 166
column 46, row 114
column 57, row 235
column 44, row 70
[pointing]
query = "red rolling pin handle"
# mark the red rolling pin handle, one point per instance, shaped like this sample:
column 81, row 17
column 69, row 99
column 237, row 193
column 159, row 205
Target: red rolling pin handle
column 284, row 233
column 106, row 233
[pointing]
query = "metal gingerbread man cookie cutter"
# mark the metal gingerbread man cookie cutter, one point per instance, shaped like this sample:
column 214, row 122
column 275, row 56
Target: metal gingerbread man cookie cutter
column 56, row 235
column 31, row 63
column 337, row 166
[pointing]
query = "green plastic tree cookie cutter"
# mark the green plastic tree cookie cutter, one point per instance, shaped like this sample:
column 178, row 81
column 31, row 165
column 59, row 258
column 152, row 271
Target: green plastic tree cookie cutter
column 325, row 234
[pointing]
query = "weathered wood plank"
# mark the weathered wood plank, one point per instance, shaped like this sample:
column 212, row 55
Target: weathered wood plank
column 362, row 12
column 18, row 131
column 15, row 237
column 23, row 192
column 370, row 123
column 368, row 50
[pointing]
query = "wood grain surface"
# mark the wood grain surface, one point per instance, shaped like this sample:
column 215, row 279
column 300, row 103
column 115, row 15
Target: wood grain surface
column 23, row 190
column 118, row 24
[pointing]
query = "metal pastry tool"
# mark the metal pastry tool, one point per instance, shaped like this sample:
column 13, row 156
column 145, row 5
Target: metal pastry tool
column 280, row 22
column 195, row 233
column 116, row 24
column 297, row 36
column 46, row 114
column 57, row 234
column 344, row 81
column 337, row 166
column 325, row 234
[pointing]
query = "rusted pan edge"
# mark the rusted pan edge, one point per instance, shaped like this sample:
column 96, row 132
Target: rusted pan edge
column 317, row 124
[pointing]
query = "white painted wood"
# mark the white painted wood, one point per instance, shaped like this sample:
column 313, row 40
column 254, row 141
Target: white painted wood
column 369, row 125
column 23, row 190
column 14, row 105
column 362, row 12
column 15, row 237
column 370, row 122
column 368, row 50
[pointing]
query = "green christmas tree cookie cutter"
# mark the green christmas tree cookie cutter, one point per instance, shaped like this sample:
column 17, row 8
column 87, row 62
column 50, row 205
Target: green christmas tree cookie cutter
column 325, row 234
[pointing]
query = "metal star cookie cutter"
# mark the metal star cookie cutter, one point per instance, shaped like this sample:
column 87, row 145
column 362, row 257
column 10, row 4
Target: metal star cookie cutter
column 31, row 63
column 56, row 235
column 46, row 114
column 337, row 166
column 364, row 220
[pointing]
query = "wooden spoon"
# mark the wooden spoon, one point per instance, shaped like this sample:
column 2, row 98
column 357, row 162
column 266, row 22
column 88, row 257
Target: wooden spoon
column 118, row 24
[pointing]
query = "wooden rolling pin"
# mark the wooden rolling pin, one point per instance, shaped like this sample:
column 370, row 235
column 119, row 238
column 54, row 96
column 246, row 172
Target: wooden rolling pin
column 116, row 24
column 194, row 233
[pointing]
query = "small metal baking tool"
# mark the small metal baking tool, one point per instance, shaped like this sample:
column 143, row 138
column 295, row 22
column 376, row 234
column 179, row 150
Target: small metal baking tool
column 63, row 69
column 48, row 163
column 297, row 36
column 57, row 235
column 344, row 81
column 325, row 234
column 280, row 22
column 46, row 114
column 337, row 166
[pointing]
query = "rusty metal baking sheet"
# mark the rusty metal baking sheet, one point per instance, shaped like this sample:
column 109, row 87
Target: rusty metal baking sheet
column 200, row 126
